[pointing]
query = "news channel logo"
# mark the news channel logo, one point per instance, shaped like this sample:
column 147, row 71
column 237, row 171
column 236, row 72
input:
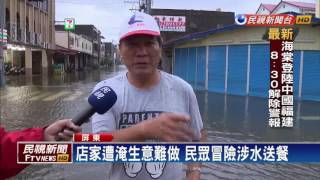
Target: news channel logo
column 241, row 19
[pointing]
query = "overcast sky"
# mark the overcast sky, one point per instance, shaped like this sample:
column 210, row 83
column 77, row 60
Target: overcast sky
column 107, row 14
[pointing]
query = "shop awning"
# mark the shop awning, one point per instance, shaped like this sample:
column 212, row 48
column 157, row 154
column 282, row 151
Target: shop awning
column 64, row 51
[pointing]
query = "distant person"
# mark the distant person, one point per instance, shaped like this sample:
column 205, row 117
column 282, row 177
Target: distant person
column 8, row 143
column 151, row 105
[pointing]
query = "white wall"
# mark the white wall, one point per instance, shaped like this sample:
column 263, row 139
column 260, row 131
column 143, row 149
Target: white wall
column 102, row 51
column 262, row 10
column 283, row 7
column 62, row 40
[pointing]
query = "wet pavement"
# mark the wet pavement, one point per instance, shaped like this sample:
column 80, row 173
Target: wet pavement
column 38, row 101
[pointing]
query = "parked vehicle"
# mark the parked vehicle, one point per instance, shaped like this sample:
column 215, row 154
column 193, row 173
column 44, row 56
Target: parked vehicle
column 14, row 70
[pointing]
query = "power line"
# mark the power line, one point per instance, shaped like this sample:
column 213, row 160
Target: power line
column 133, row 4
column 144, row 5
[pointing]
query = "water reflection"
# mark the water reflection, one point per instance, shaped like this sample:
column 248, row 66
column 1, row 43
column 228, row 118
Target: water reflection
column 24, row 105
column 230, row 118
column 63, row 78
column 246, row 119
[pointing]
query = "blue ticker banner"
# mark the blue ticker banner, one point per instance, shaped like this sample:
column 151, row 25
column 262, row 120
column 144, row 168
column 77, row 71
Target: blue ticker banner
column 209, row 152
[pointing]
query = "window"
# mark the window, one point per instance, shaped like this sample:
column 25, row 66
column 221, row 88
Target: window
column 95, row 47
column 45, row 5
column 71, row 41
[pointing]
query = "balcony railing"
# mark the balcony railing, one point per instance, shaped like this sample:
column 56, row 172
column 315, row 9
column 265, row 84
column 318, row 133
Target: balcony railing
column 36, row 39
column 8, row 31
column 28, row 37
column 40, row 39
column 42, row 4
column 23, row 35
column 13, row 31
column 32, row 37
column 19, row 34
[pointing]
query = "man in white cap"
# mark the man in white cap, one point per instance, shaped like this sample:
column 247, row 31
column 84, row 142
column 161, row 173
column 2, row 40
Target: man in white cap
column 152, row 105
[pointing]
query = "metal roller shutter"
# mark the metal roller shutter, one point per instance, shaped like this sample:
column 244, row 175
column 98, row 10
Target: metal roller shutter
column 259, row 70
column 237, row 69
column 176, row 65
column 183, row 63
column 201, row 68
column 311, row 76
column 192, row 60
column 216, row 69
column 296, row 72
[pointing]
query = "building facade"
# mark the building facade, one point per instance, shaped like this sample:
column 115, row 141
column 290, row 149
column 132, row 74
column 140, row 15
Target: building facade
column 110, row 52
column 288, row 6
column 265, row 8
column 80, row 47
column 236, row 60
column 102, row 53
column 94, row 35
column 195, row 21
column 31, row 37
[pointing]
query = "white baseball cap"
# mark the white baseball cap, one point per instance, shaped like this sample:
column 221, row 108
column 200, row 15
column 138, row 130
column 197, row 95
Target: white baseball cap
column 139, row 23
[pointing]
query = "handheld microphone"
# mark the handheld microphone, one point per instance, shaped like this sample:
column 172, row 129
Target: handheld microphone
column 100, row 101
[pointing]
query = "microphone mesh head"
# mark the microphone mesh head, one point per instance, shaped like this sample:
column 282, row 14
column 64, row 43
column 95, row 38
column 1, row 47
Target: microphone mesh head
column 102, row 99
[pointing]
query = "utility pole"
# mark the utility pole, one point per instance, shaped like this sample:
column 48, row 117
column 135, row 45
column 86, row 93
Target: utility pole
column 2, row 26
column 145, row 6
column 148, row 6
column 318, row 8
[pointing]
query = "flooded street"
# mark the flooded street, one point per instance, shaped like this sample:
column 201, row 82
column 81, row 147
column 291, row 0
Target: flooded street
column 39, row 102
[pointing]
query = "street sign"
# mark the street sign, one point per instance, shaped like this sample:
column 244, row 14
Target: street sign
column 171, row 23
column 69, row 24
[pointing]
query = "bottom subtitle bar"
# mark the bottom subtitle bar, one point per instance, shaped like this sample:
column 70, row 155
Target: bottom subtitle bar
column 79, row 152
column 149, row 152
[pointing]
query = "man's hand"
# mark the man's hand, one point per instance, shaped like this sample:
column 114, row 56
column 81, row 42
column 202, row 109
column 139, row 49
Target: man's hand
column 193, row 171
column 62, row 129
column 193, row 176
column 168, row 127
